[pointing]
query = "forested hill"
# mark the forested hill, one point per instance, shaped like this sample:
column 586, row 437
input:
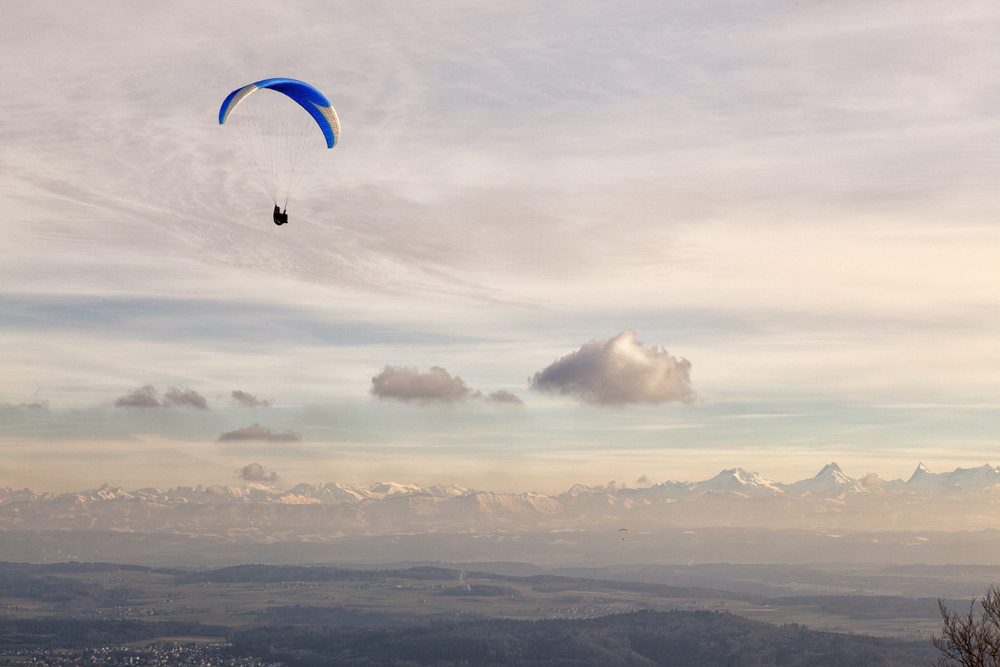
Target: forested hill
column 690, row 639
column 547, row 582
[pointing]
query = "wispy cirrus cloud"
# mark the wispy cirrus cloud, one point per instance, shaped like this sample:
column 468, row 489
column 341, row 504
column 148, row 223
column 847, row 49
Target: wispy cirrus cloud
column 617, row 371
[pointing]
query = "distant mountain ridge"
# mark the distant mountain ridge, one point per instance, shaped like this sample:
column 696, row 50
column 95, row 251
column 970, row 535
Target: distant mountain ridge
column 965, row 498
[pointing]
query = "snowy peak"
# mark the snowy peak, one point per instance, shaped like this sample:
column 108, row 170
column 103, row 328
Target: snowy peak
column 450, row 491
column 972, row 479
column 738, row 480
column 661, row 491
column 921, row 475
column 831, row 480
column 829, row 470
column 959, row 480
column 499, row 505
column 578, row 490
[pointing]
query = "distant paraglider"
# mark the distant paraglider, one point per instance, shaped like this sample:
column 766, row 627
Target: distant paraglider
column 275, row 121
column 279, row 217
column 624, row 530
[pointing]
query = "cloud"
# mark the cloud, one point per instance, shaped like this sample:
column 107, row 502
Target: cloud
column 246, row 400
column 184, row 398
column 143, row 397
column 258, row 432
column 617, row 371
column 503, row 397
column 642, row 480
column 255, row 472
column 410, row 385
column 872, row 481
column 147, row 397
column 29, row 407
column 435, row 386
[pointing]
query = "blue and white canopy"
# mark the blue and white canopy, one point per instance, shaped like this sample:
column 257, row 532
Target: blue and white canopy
column 310, row 99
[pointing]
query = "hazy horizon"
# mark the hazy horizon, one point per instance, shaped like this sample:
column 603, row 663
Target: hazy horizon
column 254, row 473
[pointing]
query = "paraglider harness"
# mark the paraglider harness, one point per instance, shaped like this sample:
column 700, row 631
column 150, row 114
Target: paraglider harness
column 279, row 217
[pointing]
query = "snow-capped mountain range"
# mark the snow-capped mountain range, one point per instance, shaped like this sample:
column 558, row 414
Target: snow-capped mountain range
column 965, row 498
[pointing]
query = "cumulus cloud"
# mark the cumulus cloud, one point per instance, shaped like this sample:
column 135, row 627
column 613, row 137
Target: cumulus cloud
column 872, row 481
column 409, row 385
column 246, row 400
column 435, row 386
column 143, row 397
column 642, row 481
column 617, row 371
column 258, row 432
column 184, row 398
column 148, row 397
column 503, row 397
column 255, row 472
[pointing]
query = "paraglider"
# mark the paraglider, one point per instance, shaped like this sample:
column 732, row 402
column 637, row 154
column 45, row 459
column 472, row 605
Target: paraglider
column 275, row 122
column 279, row 217
column 624, row 530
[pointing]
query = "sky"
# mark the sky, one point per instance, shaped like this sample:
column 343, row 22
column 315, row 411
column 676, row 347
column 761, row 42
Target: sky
column 557, row 243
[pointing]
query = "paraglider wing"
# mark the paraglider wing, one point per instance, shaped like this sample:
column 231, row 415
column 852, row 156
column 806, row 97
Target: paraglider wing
column 274, row 122
column 625, row 530
column 310, row 99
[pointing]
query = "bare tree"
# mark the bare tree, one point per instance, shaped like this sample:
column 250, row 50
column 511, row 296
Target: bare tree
column 970, row 640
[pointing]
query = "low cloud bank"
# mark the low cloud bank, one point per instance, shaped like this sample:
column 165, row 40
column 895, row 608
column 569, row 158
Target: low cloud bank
column 617, row 371
column 148, row 397
column 246, row 400
column 27, row 407
column 255, row 472
column 436, row 386
column 258, row 432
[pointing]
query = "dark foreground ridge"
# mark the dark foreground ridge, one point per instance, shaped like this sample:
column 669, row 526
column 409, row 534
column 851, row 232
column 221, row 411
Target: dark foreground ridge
column 644, row 638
